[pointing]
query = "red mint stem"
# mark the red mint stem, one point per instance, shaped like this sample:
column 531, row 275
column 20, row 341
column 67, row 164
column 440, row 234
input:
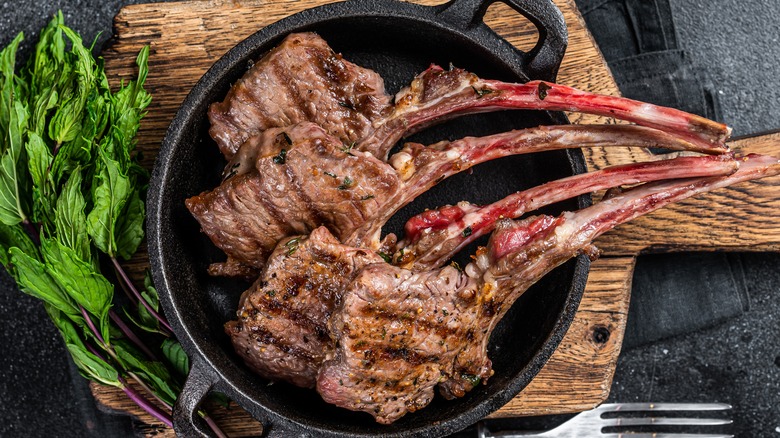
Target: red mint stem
column 131, row 336
column 128, row 294
column 213, row 426
column 138, row 295
column 91, row 325
column 145, row 404
column 94, row 351
column 149, row 390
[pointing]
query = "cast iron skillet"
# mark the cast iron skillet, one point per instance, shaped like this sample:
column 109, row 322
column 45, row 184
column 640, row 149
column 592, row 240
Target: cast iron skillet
column 397, row 40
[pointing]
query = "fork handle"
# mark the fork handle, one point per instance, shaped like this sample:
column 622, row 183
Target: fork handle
column 484, row 432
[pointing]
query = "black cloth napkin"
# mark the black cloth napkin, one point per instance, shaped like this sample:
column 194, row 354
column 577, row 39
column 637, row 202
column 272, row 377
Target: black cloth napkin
column 639, row 42
column 672, row 294
column 680, row 293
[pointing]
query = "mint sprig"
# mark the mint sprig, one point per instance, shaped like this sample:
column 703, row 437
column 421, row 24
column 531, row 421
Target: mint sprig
column 72, row 193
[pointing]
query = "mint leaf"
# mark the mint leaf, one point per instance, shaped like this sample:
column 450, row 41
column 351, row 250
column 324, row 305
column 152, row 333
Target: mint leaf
column 111, row 190
column 176, row 356
column 90, row 366
column 47, row 66
column 70, row 221
column 7, row 81
column 34, row 280
column 11, row 172
column 66, row 123
column 80, row 280
column 15, row 236
column 93, row 367
column 130, row 226
column 38, row 160
column 129, row 102
column 41, row 106
column 153, row 372
column 150, row 292
column 145, row 320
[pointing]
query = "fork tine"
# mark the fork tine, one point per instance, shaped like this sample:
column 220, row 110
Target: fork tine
column 664, row 421
column 663, row 435
column 635, row 407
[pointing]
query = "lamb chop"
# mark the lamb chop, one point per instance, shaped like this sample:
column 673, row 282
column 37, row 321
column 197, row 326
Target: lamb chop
column 303, row 79
column 281, row 331
column 305, row 178
column 401, row 333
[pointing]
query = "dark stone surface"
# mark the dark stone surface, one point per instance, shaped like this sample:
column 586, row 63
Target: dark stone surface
column 35, row 384
column 736, row 362
column 738, row 42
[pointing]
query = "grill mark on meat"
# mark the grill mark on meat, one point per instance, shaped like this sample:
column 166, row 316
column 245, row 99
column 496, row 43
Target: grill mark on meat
column 279, row 309
column 261, row 335
column 333, row 68
column 305, row 278
column 382, row 353
column 438, row 327
column 278, row 216
column 296, row 180
column 295, row 82
column 302, row 103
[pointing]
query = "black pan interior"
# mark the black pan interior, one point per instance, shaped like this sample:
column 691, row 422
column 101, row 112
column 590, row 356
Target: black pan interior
column 397, row 50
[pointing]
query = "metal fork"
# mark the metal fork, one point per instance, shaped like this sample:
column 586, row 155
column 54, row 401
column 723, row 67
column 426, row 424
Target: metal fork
column 590, row 423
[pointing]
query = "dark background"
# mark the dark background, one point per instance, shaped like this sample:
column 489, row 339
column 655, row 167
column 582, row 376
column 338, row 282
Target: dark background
column 735, row 359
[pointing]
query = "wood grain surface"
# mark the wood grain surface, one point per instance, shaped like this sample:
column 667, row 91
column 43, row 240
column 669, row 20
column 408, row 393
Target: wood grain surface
column 187, row 37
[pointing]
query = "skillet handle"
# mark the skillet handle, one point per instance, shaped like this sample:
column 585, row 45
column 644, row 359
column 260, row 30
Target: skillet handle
column 543, row 60
column 186, row 421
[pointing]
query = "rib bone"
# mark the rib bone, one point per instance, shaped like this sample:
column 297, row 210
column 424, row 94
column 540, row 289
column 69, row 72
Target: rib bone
column 437, row 94
column 434, row 236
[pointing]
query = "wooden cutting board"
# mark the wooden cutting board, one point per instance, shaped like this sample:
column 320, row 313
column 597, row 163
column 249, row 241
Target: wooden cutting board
column 187, row 37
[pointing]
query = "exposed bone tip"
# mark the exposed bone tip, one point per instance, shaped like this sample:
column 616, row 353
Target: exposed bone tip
column 592, row 252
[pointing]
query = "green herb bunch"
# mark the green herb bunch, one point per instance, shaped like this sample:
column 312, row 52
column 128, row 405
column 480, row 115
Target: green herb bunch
column 72, row 195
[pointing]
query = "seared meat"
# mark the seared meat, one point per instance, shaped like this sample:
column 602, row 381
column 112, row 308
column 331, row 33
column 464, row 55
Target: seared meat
column 300, row 80
column 281, row 331
column 399, row 336
column 315, row 181
column 318, row 180
column 307, row 135
column 402, row 333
